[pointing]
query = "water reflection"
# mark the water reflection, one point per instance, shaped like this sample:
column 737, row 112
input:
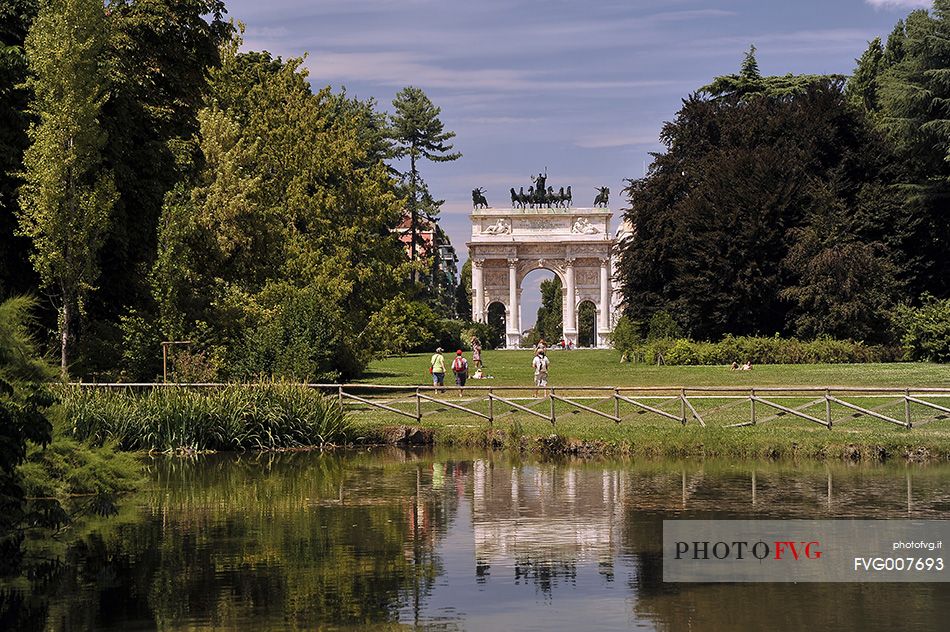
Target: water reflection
column 453, row 540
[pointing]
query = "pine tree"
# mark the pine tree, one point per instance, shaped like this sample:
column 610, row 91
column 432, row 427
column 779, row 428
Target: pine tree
column 67, row 195
column 419, row 134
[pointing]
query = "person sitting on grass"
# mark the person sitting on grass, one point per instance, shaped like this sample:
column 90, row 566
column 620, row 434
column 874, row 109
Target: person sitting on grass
column 735, row 366
column 747, row 366
column 540, row 364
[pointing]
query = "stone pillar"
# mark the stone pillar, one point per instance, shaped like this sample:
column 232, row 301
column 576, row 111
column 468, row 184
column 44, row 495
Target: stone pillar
column 514, row 324
column 570, row 309
column 603, row 326
column 478, row 292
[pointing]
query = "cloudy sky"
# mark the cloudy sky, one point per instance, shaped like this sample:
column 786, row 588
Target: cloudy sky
column 579, row 88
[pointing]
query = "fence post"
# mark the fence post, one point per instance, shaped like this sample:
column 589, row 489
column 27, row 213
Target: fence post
column 828, row 407
column 551, row 398
column 683, row 406
column 752, row 406
column 491, row 408
column 341, row 394
column 907, row 407
column 418, row 407
column 617, row 404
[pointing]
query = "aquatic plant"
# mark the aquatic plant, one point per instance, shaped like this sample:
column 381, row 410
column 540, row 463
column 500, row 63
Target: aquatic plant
column 234, row 417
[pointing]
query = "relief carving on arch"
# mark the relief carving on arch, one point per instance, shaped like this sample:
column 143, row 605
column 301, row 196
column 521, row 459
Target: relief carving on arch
column 587, row 276
column 496, row 277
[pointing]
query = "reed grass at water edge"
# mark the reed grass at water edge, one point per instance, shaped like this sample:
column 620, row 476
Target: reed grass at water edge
column 264, row 416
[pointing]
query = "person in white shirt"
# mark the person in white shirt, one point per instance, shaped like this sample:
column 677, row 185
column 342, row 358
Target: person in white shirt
column 540, row 364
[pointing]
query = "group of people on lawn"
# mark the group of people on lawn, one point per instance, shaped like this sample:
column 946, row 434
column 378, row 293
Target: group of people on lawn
column 540, row 363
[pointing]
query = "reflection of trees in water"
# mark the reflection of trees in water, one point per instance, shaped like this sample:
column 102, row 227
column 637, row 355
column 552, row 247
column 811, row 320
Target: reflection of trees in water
column 306, row 539
column 778, row 491
column 764, row 606
column 275, row 539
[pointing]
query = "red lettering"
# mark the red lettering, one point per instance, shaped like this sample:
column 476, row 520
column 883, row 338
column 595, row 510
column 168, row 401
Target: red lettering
column 780, row 546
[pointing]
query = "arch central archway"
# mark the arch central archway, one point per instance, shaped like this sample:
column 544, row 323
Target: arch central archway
column 573, row 243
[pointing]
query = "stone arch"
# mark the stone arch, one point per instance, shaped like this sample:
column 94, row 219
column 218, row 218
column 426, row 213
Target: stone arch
column 508, row 244
column 586, row 338
column 491, row 318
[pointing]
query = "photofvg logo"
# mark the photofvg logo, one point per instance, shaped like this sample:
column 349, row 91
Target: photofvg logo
column 742, row 549
column 804, row 550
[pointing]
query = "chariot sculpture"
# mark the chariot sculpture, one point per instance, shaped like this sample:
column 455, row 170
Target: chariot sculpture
column 478, row 198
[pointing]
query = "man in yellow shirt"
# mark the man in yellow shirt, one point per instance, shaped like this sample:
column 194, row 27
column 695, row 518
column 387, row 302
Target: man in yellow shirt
column 437, row 369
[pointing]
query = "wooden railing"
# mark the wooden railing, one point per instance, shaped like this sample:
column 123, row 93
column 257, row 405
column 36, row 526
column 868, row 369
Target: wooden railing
column 823, row 405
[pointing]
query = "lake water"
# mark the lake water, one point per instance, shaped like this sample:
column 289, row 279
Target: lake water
column 457, row 540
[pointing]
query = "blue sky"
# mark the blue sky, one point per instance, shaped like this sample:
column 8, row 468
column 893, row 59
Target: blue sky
column 581, row 88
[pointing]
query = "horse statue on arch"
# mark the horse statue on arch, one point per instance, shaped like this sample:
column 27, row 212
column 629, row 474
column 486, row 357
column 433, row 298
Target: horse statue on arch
column 478, row 198
column 602, row 198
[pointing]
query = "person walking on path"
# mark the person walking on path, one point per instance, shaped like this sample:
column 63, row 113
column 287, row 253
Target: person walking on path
column 460, row 369
column 540, row 364
column 437, row 369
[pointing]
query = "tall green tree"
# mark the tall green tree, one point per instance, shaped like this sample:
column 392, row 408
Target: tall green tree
column 463, row 292
column 284, row 238
column 16, row 273
column 160, row 52
column 67, row 193
column 914, row 91
column 749, row 82
column 738, row 218
column 419, row 134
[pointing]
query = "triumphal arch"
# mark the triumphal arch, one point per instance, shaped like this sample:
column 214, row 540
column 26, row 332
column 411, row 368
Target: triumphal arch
column 543, row 230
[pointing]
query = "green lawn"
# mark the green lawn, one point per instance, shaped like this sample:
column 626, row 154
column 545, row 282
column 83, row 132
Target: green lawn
column 595, row 367
column 853, row 437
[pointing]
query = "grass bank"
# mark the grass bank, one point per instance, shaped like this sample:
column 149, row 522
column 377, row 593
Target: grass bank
column 853, row 436
column 588, row 435
column 259, row 416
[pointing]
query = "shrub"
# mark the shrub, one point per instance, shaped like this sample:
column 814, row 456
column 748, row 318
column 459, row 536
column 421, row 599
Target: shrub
column 760, row 350
column 626, row 335
column 925, row 331
column 297, row 340
column 683, row 352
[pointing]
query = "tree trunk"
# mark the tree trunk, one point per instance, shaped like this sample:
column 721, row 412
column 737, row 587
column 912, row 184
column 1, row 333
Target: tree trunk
column 413, row 214
column 65, row 326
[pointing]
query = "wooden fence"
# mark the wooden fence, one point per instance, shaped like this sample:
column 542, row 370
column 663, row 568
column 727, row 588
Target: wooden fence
column 825, row 406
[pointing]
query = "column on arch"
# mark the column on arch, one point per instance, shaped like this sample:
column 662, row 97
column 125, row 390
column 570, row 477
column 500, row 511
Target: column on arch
column 570, row 308
column 603, row 326
column 478, row 291
column 514, row 327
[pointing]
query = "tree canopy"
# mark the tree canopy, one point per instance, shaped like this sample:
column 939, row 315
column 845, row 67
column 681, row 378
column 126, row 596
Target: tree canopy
column 763, row 216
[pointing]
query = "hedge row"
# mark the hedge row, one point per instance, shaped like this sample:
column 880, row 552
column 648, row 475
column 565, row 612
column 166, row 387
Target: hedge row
column 760, row 350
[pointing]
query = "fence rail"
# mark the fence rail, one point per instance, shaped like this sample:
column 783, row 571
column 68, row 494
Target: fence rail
column 825, row 405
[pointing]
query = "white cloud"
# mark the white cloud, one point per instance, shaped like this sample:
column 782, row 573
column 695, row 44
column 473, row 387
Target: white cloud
column 900, row 3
